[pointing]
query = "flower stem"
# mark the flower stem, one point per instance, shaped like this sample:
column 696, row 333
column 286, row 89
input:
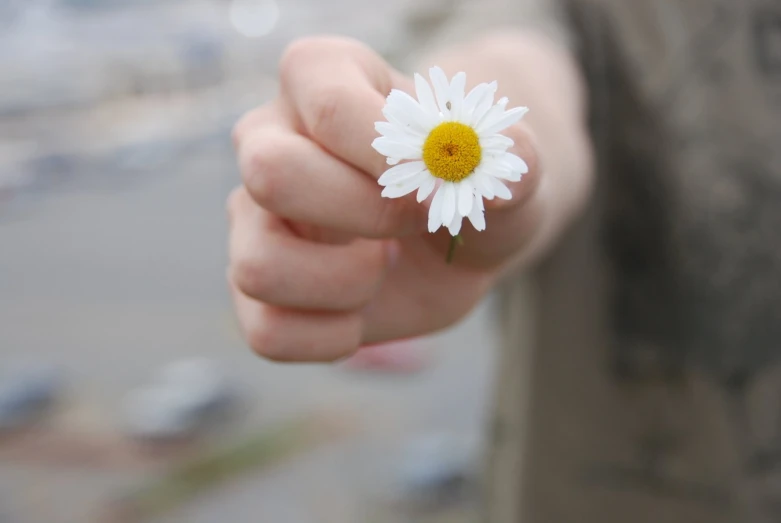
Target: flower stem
column 451, row 250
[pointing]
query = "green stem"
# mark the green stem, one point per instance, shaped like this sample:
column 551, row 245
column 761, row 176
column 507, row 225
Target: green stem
column 451, row 250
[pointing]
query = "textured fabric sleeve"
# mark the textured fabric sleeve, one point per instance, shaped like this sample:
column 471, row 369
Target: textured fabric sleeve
column 435, row 24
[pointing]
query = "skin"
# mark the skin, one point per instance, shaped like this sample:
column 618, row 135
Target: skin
column 321, row 264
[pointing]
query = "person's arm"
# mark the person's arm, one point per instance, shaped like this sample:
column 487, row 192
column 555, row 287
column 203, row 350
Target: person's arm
column 320, row 263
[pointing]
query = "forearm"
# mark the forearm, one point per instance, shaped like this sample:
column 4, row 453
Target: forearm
column 535, row 71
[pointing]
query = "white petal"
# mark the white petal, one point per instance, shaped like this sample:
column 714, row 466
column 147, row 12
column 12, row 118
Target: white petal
column 399, row 134
column 402, row 110
column 435, row 211
column 391, row 149
column 398, row 119
column 406, row 121
column 455, row 225
column 483, row 185
column 516, row 163
column 477, row 216
column 497, row 142
column 392, row 161
column 412, row 140
column 386, row 128
column 457, row 86
column 510, row 176
column 441, row 89
column 473, row 99
column 406, row 109
column 401, row 172
column 465, row 197
column 449, row 203
column 499, row 169
column 502, row 122
column 484, row 104
column 425, row 95
column 399, row 97
column 478, row 203
column 500, row 189
column 397, row 190
column 492, row 114
column 426, row 187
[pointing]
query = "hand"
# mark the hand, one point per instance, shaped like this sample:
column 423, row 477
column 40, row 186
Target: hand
column 320, row 263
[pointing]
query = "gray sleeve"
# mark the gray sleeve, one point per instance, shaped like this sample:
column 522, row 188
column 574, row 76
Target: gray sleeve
column 434, row 24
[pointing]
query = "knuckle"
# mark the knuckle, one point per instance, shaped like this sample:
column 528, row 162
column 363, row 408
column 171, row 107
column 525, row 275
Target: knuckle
column 324, row 113
column 253, row 276
column 300, row 52
column 262, row 167
column 296, row 53
column 241, row 127
column 371, row 267
column 303, row 50
column 261, row 116
column 263, row 337
column 390, row 218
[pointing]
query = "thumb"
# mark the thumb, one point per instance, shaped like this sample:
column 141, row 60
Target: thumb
column 526, row 149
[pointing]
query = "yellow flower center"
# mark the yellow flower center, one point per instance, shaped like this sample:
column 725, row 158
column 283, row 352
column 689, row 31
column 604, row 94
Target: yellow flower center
column 452, row 151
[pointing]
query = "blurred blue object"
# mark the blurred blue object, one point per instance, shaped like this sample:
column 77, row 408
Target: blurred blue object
column 185, row 398
column 435, row 468
column 207, row 387
column 155, row 414
column 27, row 393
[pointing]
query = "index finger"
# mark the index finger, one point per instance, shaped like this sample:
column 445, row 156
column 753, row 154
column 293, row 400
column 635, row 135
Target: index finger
column 337, row 88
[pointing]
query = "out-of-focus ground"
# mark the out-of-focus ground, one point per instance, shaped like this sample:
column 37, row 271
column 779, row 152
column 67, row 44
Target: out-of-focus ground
column 115, row 162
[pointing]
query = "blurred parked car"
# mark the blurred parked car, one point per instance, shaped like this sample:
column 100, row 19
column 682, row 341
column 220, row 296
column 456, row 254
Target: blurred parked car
column 184, row 398
column 27, row 392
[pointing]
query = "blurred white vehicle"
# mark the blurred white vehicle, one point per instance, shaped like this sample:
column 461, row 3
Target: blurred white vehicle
column 184, row 398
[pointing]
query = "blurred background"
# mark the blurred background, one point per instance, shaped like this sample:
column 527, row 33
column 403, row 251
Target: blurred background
column 126, row 392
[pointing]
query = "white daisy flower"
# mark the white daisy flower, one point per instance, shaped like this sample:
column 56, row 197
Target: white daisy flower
column 449, row 143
